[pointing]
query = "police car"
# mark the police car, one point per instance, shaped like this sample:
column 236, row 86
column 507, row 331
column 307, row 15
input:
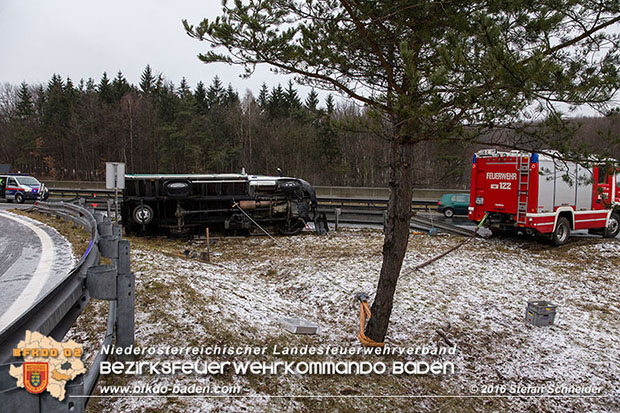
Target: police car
column 21, row 187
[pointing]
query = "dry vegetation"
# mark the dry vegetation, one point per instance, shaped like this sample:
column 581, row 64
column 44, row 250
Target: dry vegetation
column 480, row 290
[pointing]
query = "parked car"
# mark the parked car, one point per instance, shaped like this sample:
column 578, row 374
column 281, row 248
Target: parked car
column 21, row 187
column 453, row 204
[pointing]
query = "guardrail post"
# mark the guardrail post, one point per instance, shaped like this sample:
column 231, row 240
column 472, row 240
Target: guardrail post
column 125, row 289
column 117, row 230
column 101, row 281
column 105, row 226
column 337, row 213
column 116, row 282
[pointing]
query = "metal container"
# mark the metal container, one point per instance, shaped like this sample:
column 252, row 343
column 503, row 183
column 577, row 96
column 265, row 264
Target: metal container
column 298, row 326
column 540, row 313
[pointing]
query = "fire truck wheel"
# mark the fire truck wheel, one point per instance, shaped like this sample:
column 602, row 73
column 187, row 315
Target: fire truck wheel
column 562, row 232
column 143, row 214
column 613, row 226
column 448, row 212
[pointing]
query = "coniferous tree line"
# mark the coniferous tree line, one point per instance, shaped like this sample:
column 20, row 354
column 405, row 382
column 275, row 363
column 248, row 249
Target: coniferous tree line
column 67, row 130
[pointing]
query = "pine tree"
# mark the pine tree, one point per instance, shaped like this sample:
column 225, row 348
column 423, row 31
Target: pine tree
column 200, row 97
column 232, row 97
column 119, row 86
column 312, row 100
column 91, row 87
column 56, row 124
column 215, row 93
column 277, row 102
column 105, row 89
column 70, row 92
column 291, row 97
column 183, row 87
column 147, row 80
column 329, row 104
column 25, row 105
column 263, row 96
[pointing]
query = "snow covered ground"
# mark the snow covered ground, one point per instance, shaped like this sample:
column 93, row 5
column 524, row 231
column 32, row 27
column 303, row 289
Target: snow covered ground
column 475, row 295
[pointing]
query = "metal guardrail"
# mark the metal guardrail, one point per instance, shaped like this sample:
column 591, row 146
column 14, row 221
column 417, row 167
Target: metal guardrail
column 55, row 313
column 376, row 203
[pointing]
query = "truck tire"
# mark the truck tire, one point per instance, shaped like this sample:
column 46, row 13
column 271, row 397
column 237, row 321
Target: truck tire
column 561, row 234
column 613, row 226
column 143, row 214
column 182, row 234
column 19, row 198
column 448, row 212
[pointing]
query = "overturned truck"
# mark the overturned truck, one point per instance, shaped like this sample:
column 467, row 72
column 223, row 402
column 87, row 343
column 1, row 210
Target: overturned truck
column 181, row 206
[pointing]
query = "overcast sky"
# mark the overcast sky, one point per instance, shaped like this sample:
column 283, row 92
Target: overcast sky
column 84, row 38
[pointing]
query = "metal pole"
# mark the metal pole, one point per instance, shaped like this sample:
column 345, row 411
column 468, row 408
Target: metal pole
column 125, row 289
column 116, row 204
column 337, row 213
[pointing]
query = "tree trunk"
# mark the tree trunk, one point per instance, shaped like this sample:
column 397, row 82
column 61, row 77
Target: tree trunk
column 396, row 234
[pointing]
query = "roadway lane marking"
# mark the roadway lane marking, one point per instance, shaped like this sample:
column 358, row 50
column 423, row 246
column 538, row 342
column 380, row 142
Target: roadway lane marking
column 43, row 271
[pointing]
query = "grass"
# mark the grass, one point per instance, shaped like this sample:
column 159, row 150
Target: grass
column 174, row 308
column 157, row 297
column 77, row 236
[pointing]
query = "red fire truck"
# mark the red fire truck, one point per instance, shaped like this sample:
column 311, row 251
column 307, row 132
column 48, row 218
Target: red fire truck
column 543, row 195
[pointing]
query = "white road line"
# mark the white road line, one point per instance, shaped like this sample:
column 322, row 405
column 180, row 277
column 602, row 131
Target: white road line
column 30, row 293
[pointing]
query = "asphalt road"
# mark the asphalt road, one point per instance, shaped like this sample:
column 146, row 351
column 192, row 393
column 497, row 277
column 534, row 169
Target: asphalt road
column 33, row 259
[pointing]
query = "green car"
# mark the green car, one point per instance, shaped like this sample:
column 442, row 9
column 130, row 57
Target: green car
column 451, row 204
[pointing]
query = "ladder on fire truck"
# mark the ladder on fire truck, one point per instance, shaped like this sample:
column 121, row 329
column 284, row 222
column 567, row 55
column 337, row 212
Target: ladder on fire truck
column 523, row 166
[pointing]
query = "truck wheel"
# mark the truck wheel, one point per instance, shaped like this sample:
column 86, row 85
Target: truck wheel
column 562, row 232
column 182, row 234
column 143, row 214
column 448, row 212
column 613, row 226
column 19, row 198
column 496, row 232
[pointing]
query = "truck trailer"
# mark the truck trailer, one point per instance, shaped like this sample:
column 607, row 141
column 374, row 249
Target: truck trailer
column 541, row 194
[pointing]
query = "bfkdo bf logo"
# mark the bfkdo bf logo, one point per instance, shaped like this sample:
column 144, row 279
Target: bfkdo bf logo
column 36, row 377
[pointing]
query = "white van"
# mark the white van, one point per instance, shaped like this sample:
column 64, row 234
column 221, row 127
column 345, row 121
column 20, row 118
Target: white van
column 21, row 187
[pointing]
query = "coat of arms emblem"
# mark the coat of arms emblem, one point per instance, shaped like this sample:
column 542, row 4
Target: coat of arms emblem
column 35, row 377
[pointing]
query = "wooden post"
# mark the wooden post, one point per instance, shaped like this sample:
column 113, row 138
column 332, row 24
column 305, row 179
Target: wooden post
column 208, row 246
